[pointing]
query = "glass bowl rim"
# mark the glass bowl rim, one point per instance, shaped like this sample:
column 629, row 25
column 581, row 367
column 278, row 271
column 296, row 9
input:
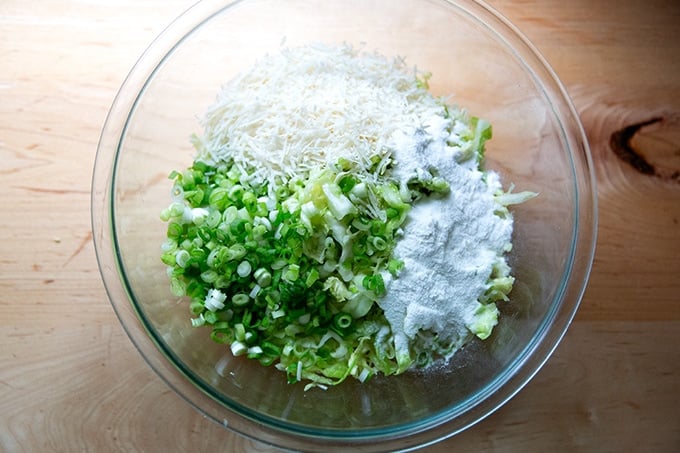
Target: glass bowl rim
column 495, row 394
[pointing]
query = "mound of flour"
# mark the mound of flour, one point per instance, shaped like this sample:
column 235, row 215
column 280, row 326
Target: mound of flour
column 449, row 245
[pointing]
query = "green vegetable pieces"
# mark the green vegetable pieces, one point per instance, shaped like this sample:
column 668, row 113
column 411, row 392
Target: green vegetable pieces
column 287, row 276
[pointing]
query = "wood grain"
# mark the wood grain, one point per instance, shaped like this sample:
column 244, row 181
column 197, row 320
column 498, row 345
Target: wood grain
column 70, row 380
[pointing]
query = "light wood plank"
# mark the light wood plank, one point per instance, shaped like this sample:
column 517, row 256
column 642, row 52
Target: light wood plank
column 70, row 380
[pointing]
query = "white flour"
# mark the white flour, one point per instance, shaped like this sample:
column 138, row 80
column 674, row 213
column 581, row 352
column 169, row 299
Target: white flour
column 449, row 244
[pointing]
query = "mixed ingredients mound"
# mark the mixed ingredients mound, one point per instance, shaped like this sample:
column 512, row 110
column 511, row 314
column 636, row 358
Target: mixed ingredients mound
column 337, row 219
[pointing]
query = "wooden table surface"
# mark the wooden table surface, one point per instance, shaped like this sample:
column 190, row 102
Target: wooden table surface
column 70, row 380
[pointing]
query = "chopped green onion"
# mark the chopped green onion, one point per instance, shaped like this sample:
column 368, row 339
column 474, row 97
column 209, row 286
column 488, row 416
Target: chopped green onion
column 312, row 277
column 291, row 273
column 342, row 321
column 346, row 183
column 263, row 277
column 243, row 269
column 215, row 300
column 238, row 348
column 181, row 258
column 240, row 300
column 394, row 266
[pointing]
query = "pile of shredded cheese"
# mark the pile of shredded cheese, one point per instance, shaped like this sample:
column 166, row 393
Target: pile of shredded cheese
column 274, row 114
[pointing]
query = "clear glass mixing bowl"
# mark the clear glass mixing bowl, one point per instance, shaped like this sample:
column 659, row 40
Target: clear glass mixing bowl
column 538, row 145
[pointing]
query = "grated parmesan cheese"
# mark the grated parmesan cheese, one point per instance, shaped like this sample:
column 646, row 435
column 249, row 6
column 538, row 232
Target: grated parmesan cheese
column 310, row 106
